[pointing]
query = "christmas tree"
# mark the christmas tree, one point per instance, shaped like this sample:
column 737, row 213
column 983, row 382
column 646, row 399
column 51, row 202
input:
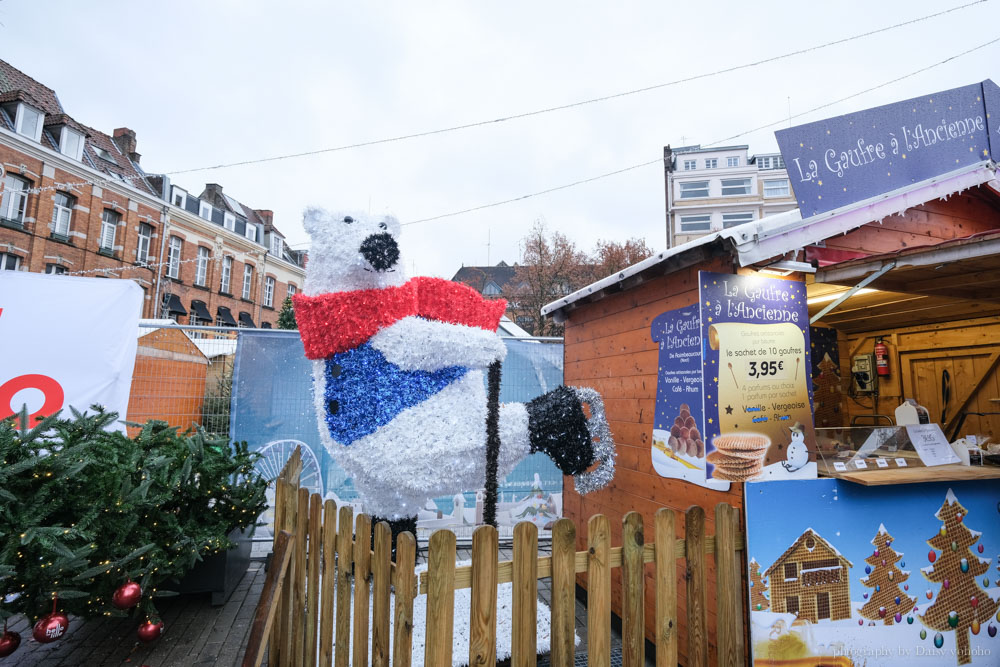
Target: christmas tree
column 286, row 318
column 960, row 605
column 84, row 510
column 888, row 603
column 758, row 601
column 827, row 393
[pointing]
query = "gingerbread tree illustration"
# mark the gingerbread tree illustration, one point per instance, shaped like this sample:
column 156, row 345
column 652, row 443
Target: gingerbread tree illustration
column 960, row 605
column 887, row 603
column 827, row 393
column 758, row 601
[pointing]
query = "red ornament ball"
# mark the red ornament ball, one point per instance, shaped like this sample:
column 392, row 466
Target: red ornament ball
column 50, row 627
column 149, row 631
column 9, row 641
column 127, row 595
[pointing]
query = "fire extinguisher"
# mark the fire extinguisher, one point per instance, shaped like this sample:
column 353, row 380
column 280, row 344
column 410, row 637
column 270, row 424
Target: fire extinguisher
column 881, row 357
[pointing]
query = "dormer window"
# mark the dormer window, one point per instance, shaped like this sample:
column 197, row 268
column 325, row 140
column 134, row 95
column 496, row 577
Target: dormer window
column 492, row 289
column 205, row 210
column 251, row 232
column 28, row 121
column 179, row 197
column 71, row 143
column 229, row 221
column 275, row 245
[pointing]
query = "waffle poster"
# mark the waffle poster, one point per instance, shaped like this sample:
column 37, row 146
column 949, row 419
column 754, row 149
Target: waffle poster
column 758, row 388
column 678, row 448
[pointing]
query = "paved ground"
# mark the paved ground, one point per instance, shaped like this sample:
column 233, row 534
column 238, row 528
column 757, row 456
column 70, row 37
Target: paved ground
column 199, row 634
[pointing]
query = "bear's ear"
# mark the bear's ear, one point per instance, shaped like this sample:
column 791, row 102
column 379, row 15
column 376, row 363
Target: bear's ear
column 315, row 220
column 393, row 225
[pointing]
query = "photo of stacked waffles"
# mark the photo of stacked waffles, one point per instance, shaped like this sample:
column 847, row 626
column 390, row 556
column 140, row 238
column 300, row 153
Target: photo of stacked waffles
column 684, row 435
column 738, row 457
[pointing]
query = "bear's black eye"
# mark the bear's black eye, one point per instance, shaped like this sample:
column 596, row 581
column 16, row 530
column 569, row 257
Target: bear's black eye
column 333, row 407
column 348, row 220
column 382, row 225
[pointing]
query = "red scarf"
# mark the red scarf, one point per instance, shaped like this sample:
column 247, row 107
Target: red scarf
column 339, row 321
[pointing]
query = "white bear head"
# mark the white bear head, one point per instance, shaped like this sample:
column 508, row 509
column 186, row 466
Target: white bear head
column 351, row 251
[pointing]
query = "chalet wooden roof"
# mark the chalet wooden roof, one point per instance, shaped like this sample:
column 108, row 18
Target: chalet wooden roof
column 808, row 532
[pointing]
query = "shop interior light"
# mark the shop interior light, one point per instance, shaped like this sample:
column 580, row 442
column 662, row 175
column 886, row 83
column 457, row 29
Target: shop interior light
column 830, row 297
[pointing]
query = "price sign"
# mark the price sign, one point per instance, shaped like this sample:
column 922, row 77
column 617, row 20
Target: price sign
column 769, row 369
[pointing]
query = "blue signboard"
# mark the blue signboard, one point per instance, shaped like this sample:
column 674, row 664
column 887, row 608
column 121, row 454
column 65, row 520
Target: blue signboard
column 758, row 386
column 678, row 447
column 846, row 159
column 274, row 412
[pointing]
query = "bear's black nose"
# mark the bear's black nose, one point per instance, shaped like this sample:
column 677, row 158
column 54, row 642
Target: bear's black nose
column 381, row 251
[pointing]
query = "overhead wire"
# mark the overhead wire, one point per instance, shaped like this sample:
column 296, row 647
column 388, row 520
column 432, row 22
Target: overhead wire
column 659, row 160
column 527, row 114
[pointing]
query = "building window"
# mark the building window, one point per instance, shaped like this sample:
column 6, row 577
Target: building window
column 62, row 211
column 269, row 292
column 109, row 225
column 174, row 258
column 56, row 270
column 227, row 272
column 696, row 223
column 15, row 198
column 29, row 122
column 180, row 198
column 770, row 162
column 291, row 289
column 791, row 571
column 9, row 262
column 201, row 269
column 733, row 219
column 247, row 280
column 275, row 245
column 711, row 162
column 205, row 211
column 792, row 604
column 690, row 165
column 777, row 188
column 71, row 143
column 229, row 221
column 142, row 248
column 251, row 232
column 693, row 189
column 733, row 161
column 735, row 186
column 492, row 289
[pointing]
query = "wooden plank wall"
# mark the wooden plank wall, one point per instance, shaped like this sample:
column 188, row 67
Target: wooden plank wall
column 608, row 347
column 918, row 355
column 928, row 224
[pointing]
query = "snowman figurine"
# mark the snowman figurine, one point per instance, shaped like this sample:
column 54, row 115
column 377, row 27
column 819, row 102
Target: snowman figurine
column 797, row 454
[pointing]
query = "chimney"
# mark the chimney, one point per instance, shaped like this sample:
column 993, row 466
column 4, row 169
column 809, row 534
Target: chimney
column 124, row 138
column 213, row 194
column 265, row 215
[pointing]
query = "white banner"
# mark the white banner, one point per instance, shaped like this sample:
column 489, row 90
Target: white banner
column 66, row 341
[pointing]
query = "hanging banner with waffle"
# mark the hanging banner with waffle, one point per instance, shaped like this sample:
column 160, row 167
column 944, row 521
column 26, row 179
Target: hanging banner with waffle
column 678, row 449
column 758, row 387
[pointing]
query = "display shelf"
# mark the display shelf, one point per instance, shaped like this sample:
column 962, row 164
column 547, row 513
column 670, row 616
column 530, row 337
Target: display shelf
column 946, row 473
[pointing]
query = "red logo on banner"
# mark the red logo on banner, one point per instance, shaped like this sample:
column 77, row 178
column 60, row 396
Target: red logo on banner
column 52, row 390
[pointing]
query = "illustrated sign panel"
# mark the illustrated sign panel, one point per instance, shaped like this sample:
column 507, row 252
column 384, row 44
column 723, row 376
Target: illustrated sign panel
column 68, row 341
column 678, row 447
column 846, row 574
column 273, row 411
column 850, row 158
column 757, row 370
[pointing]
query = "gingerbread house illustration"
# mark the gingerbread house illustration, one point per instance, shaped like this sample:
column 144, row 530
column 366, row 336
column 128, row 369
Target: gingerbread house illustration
column 812, row 580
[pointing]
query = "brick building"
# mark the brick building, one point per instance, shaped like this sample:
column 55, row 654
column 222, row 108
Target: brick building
column 75, row 201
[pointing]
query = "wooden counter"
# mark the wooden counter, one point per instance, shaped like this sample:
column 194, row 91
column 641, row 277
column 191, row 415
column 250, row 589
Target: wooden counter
column 947, row 473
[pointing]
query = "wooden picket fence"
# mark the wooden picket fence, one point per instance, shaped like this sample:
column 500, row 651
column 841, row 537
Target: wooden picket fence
column 294, row 621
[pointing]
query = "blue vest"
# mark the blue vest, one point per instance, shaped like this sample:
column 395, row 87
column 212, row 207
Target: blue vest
column 364, row 392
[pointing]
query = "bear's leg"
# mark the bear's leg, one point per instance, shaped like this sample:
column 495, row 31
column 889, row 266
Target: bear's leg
column 396, row 526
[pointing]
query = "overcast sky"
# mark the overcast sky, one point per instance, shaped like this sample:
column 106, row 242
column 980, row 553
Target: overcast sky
column 206, row 82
